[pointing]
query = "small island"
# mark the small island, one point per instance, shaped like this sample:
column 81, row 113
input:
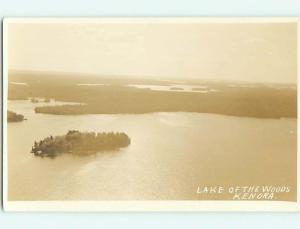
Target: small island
column 34, row 100
column 14, row 117
column 198, row 89
column 80, row 143
column 176, row 89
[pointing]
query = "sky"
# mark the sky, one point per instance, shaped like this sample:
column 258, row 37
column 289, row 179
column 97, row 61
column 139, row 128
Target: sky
column 253, row 52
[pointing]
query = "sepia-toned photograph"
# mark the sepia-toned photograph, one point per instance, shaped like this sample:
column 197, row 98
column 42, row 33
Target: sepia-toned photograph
column 139, row 109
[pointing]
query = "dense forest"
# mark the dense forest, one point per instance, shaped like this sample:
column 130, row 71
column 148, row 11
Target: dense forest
column 115, row 97
column 80, row 143
column 14, row 117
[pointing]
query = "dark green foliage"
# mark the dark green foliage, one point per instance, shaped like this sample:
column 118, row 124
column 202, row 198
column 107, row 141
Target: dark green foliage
column 79, row 143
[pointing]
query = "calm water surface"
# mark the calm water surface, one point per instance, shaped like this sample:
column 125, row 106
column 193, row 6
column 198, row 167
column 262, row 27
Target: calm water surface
column 170, row 155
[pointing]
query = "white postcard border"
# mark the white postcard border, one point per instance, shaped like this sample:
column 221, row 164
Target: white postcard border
column 141, row 206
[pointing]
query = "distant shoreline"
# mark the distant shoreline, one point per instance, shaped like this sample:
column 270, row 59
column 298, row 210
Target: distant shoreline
column 112, row 96
column 84, row 110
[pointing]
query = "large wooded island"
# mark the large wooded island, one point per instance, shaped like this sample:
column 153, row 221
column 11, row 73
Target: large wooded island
column 80, row 143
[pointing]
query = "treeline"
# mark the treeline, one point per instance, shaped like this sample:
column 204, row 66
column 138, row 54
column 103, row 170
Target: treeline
column 14, row 117
column 80, row 143
column 241, row 102
column 261, row 101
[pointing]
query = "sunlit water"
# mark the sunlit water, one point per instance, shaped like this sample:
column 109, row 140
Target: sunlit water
column 170, row 155
column 169, row 87
column 176, row 87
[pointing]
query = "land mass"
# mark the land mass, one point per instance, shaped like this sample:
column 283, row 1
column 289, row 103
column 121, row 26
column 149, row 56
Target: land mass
column 14, row 117
column 114, row 96
column 176, row 89
column 80, row 143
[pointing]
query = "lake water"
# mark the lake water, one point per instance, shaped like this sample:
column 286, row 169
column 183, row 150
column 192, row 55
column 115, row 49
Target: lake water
column 170, row 155
column 176, row 87
column 169, row 87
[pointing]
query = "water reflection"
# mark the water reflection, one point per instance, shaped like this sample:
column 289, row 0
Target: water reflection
column 170, row 155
